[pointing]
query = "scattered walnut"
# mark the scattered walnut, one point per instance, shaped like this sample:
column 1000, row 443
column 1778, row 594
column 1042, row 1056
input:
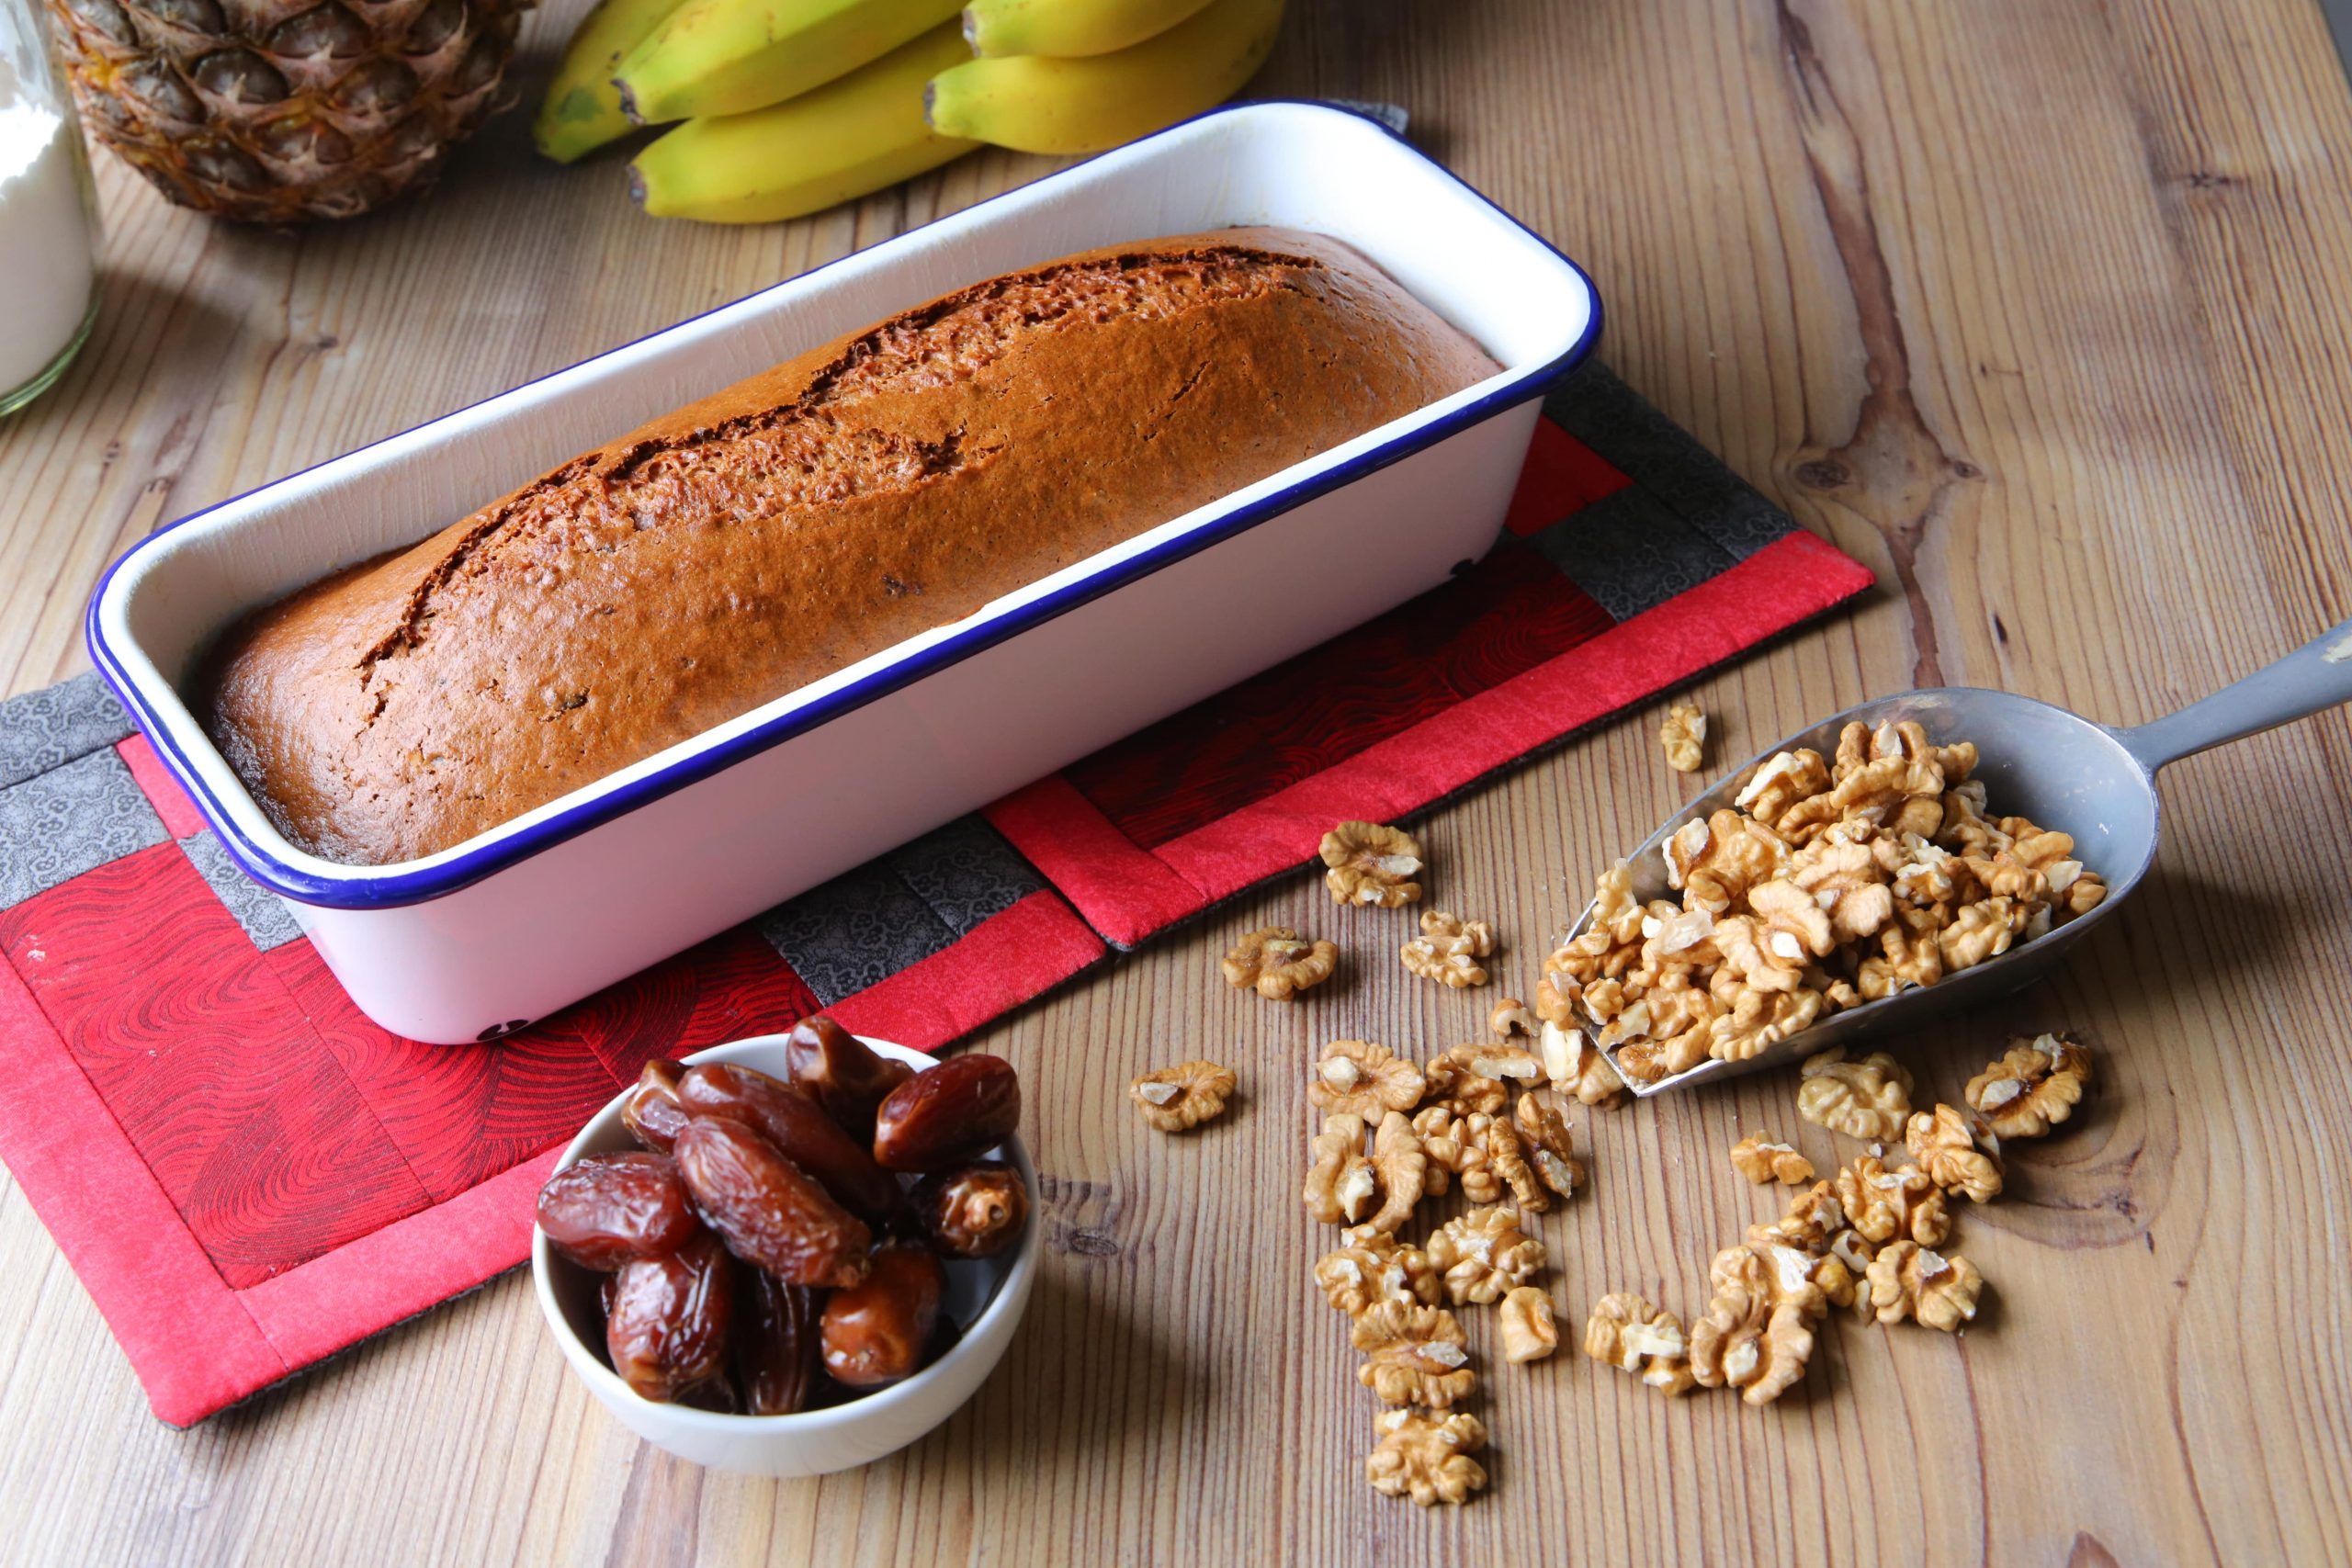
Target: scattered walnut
column 1279, row 963
column 1575, row 1065
column 1885, row 1205
column 1417, row 1355
column 1684, row 736
column 1943, row 1145
column 1626, row 1332
column 1364, row 1080
column 1754, row 1335
column 1529, row 1331
column 1544, row 1133
column 2033, row 1088
column 1457, row 1147
column 1401, row 1169
column 1507, row 1157
column 1341, row 1187
column 1868, row 1099
column 1910, row 1281
column 1483, row 1254
column 1369, row 1267
column 1448, row 949
column 1372, row 865
column 1811, row 1223
column 1427, row 1457
column 1178, row 1098
column 1510, row 1019
column 1478, row 1078
column 1762, row 1161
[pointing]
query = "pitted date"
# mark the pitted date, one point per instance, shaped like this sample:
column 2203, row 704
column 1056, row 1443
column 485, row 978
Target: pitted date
column 770, row 1213
column 666, row 1319
column 948, row 1114
column 972, row 1210
column 879, row 1332
column 798, row 1128
column 841, row 1073
column 651, row 1112
column 608, row 1209
column 775, row 1342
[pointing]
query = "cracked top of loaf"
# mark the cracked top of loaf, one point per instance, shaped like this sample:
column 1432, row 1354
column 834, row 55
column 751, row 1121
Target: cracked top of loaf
column 729, row 553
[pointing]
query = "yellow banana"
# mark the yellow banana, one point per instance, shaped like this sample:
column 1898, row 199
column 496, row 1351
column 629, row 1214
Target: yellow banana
column 1067, row 27
column 1037, row 105
column 717, row 57
column 582, row 109
column 841, row 141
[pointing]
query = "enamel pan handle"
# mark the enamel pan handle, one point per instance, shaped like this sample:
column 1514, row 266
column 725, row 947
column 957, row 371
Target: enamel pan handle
column 2316, row 675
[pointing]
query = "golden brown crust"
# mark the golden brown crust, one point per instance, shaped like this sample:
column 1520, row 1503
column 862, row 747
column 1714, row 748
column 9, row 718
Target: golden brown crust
column 723, row 555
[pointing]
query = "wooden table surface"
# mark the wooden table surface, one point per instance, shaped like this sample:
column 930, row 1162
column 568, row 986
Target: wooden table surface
column 2038, row 308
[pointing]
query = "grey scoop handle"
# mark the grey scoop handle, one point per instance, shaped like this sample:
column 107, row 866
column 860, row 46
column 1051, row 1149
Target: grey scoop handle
column 2316, row 675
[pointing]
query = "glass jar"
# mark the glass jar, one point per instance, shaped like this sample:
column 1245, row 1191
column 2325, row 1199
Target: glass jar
column 48, row 214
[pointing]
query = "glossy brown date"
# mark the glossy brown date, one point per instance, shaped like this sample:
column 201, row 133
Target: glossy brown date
column 878, row 1332
column 841, row 1073
column 608, row 1209
column 972, row 1210
column 651, row 1112
column 798, row 1128
column 948, row 1114
column 666, row 1319
column 775, row 1342
column 770, row 1213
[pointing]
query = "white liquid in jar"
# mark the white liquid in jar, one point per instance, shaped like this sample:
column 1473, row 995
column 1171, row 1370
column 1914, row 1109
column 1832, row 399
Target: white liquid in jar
column 46, row 268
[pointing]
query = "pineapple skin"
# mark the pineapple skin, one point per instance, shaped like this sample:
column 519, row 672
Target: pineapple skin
column 279, row 111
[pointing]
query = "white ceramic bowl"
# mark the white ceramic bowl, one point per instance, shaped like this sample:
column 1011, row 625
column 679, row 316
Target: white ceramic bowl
column 986, row 1296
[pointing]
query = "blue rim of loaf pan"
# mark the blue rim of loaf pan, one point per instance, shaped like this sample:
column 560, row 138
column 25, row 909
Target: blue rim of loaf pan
column 506, row 847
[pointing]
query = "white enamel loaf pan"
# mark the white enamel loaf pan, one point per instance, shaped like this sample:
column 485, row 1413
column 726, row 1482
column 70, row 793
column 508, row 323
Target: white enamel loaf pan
column 509, row 926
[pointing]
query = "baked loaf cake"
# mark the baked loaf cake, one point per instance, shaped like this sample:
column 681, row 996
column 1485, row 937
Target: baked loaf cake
column 729, row 553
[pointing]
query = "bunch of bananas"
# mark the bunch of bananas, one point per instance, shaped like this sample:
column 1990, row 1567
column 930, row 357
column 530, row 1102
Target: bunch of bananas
column 792, row 105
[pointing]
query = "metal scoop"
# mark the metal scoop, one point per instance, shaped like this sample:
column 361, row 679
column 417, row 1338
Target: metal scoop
column 2039, row 762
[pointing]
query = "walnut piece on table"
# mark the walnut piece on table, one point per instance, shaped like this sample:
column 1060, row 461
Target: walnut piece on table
column 1810, row 1224
column 1457, row 1147
column 1754, row 1335
column 1551, row 1151
column 1364, row 1080
column 1763, row 1162
column 1575, row 1065
column 1278, row 963
column 1478, row 1079
column 1448, row 949
column 1483, row 1254
column 1683, row 734
column 1426, row 1456
column 1417, row 1355
column 1944, row 1144
column 1626, row 1332
column 1369, row 863
column 1869, row 1100
column 1178, row 1098
column 1889, row 1205
column 2033, row 1088
column 1530, row 1332
column 1512, row 1019
column 1400, row 1168
column 1907, row 1279
column 1341, row 1188
column 1370, row 1267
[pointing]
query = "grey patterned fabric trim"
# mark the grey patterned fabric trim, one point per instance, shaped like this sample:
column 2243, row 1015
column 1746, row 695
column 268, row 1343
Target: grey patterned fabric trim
column 1661, row 457
column 264, row 916
column 1630, row 552
column 41, row 730
column 898, row 909
column 71, row 819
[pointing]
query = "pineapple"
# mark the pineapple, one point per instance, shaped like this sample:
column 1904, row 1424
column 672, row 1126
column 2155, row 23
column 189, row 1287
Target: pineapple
column 280, row 110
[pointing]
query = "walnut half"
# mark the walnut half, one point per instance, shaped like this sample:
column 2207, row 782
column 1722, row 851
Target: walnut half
column 1869, row 1100
column 1626, row 1332
column 1530, row 1332
column 1178, row 1098
column 1370, row 1267
column 1762, row 1161
column 1749, row 1340
column 1910, row 1281
column 1448, row 949
column 2033, row 1088
column 1278, row 963
column 1426, row 1457
column 1369, row 863
column 1364, row 1080
column 1943, row 1145
column 1483, row 1254
column 1683, row 733
column 1417, row 1355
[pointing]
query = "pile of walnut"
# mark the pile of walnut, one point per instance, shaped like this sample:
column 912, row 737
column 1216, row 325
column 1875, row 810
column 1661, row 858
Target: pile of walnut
column 1833, row 883
column 1870, row 1240
column 1394, row 1133
column 761, row 1252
